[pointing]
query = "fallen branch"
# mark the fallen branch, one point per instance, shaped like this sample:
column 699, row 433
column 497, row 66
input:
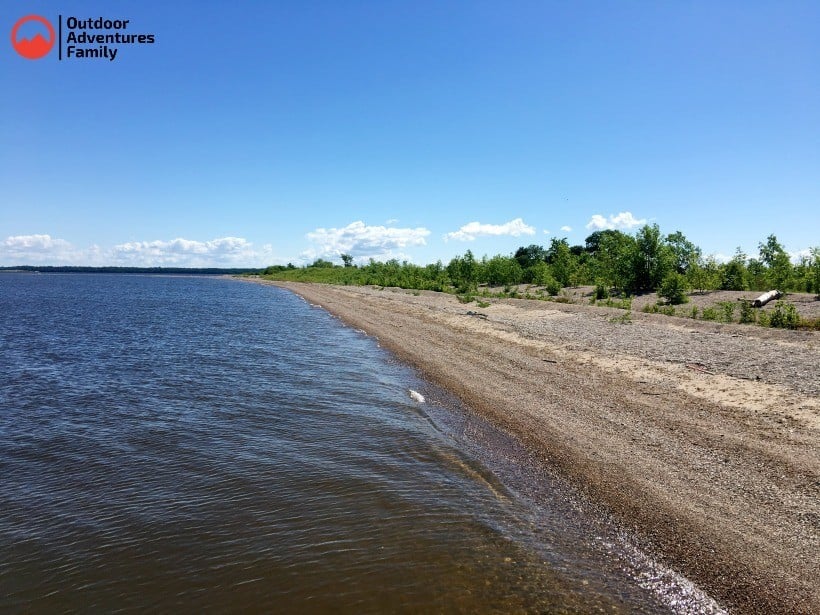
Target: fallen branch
column 699, row 367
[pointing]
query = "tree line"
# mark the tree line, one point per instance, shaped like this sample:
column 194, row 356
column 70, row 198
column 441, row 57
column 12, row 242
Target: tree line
column 613, row 261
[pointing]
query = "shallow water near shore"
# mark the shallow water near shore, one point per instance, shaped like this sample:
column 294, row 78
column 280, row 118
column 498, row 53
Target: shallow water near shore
column 171, row 443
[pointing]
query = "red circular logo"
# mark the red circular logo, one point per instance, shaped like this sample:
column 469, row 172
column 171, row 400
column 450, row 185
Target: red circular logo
column 35, row 47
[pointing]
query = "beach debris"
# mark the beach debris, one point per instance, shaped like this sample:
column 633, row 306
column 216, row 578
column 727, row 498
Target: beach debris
column 477, row 314
column 699, row 367
column 766, row 297
column 416, row 396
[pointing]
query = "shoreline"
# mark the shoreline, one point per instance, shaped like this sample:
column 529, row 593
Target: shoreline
column 703, row 441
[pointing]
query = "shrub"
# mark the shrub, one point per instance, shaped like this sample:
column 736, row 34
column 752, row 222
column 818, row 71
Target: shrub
column 650, row 308
column 552, row 286
column 465, row 298
column 784, row 316
column 727, row 311
column 694, row 312
column 747, row 312
column 482, row 304
column 709, row 313
column 600, row 292
column 668, row 310
column 673, row 289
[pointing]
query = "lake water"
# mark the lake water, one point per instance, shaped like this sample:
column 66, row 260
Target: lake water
column 194, row 443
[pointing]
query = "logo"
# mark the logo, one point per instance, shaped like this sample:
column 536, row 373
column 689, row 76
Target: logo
column 35, row 47
column 91, row 38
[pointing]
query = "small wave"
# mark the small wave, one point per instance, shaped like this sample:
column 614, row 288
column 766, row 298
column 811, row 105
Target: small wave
column 416, row 396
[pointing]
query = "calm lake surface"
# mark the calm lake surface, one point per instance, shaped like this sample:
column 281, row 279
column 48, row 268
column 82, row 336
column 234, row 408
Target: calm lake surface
column 194, row 443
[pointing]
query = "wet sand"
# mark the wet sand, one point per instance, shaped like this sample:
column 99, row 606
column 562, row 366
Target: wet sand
column 700, row 439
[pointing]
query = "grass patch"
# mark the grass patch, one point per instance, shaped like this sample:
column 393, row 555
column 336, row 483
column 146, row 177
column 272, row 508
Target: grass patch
column 809, row 324
column 726, row 311
column 623, row 319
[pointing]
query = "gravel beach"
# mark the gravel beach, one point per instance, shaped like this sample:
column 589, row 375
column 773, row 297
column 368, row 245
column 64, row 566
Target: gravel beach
column 701, row 438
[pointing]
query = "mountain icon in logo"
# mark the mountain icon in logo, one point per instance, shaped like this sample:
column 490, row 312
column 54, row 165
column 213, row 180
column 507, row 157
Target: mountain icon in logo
column 37, row 46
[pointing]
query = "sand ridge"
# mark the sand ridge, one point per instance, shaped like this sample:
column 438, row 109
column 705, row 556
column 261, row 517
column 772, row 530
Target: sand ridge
column 702, row 439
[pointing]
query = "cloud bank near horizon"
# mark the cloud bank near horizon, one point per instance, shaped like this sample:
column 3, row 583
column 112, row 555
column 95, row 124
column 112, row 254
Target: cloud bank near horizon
column 363, row 242
column 472, row 230
column 220, row 252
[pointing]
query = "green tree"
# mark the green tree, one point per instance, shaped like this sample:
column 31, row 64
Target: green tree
column 503, row 270
column 815, row 269
column 561, row 261
column 673, row 288
column 704, row 274
column 527, row 257
column 347, row 259
column 777, row 261
column 733, row 273
column 685, row 253
column 463, row 272
column 541, row 273
column 596, row 239
column 651, row 259
column 611, row 260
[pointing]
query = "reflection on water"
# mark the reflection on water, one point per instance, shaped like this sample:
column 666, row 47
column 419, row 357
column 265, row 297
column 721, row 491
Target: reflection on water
column 198, row 443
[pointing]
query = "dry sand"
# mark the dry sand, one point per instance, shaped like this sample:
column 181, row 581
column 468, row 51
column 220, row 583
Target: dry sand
column 700, row 438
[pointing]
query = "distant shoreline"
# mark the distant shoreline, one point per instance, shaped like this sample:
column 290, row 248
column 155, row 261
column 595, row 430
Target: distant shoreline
column 702, row 438
column 163, row 270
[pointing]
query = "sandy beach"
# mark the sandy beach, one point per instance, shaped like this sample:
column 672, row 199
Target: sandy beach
column 700, row 438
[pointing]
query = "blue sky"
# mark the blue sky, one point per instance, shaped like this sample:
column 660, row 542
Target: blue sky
column 255, row 133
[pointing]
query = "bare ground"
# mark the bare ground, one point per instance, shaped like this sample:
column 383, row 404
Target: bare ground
column 702, row 438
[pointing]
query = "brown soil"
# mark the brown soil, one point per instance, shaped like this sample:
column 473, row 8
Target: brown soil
column 702, row 438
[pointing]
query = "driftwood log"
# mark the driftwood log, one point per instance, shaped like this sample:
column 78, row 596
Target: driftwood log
column 766, row 297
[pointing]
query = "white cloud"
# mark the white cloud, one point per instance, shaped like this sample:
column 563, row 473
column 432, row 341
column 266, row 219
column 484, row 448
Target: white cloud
column 547, row 232
column 624, row 220
column 180, row 252
column 566, row 229
column 363, row 242
column 37, row 250
column 720, row 257
column 36, row 243
column 513, row 228
column 795, row 257
column 799, row 255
